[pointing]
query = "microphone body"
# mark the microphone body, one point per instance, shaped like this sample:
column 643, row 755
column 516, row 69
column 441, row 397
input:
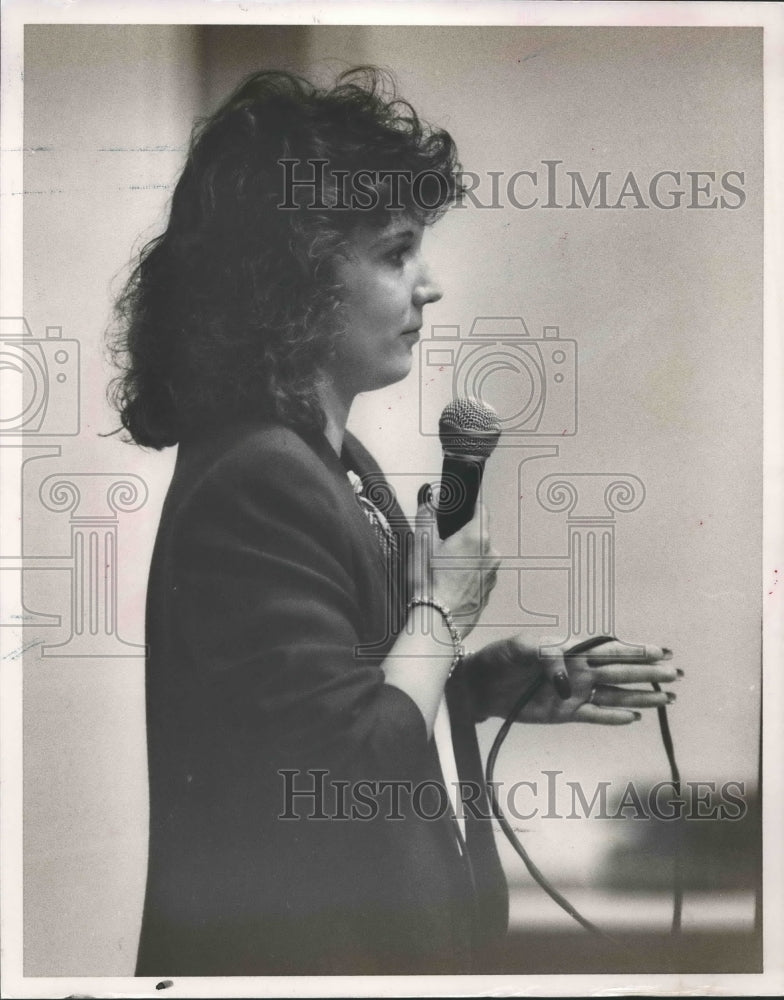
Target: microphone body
column 461, row 478
column 469, row 430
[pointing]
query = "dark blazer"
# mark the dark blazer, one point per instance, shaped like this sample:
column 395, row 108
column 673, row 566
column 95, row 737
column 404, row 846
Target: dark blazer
column 268, row 614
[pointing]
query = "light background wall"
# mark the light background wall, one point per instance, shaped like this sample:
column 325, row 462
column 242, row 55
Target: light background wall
column 665, row 307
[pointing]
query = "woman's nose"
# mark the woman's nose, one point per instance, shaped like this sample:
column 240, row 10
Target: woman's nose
column 427, row 289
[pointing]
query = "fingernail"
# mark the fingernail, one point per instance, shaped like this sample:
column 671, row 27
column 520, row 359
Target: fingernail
column 562, row 685
column 424, row 494
column 637, row 716
column 679, row 672
column 671, row 696
column 667, row 653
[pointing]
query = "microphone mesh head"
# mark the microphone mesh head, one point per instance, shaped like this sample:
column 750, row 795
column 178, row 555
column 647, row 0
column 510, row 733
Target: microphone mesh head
column 469, row 428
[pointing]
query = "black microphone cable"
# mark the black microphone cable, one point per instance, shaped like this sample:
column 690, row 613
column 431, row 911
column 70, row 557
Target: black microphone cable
column 677, row 878
column 510, row 835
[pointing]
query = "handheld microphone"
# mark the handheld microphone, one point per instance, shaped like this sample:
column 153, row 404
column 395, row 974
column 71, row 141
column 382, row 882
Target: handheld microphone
column 469, row 430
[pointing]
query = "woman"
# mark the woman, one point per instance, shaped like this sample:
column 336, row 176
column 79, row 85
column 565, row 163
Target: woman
column 300, row 646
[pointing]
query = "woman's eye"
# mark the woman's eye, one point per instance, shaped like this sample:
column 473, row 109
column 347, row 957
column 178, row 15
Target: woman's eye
column 398, row 256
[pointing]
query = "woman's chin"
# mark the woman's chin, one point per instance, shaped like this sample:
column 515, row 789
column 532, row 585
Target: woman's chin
column 403, row 371
column 390, row 375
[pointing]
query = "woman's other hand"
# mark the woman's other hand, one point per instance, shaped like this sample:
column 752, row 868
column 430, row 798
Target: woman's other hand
column 500, row 672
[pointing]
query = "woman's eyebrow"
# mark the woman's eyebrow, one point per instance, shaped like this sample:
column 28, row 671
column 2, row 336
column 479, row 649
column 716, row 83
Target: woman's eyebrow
column 390, row 238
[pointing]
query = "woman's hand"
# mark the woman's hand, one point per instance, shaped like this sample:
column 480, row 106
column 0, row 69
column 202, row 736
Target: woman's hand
column 500, row 672
column 458, row 572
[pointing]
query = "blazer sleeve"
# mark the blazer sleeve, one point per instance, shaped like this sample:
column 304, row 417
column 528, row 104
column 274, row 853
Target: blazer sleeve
column 269, row 616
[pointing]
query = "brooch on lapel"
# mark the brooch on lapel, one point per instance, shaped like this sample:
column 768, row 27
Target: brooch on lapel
column 384, row 534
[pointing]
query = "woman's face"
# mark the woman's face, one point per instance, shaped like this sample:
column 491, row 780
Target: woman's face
column 386, row 285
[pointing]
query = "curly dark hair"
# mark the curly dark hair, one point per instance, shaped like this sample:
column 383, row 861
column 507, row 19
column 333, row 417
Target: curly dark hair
column 232, row 310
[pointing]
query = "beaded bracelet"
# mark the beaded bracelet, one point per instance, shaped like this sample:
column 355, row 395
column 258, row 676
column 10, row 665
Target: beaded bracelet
column 446, row 614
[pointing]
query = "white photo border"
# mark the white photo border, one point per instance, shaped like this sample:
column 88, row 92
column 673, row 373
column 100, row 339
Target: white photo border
column 17, row 13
